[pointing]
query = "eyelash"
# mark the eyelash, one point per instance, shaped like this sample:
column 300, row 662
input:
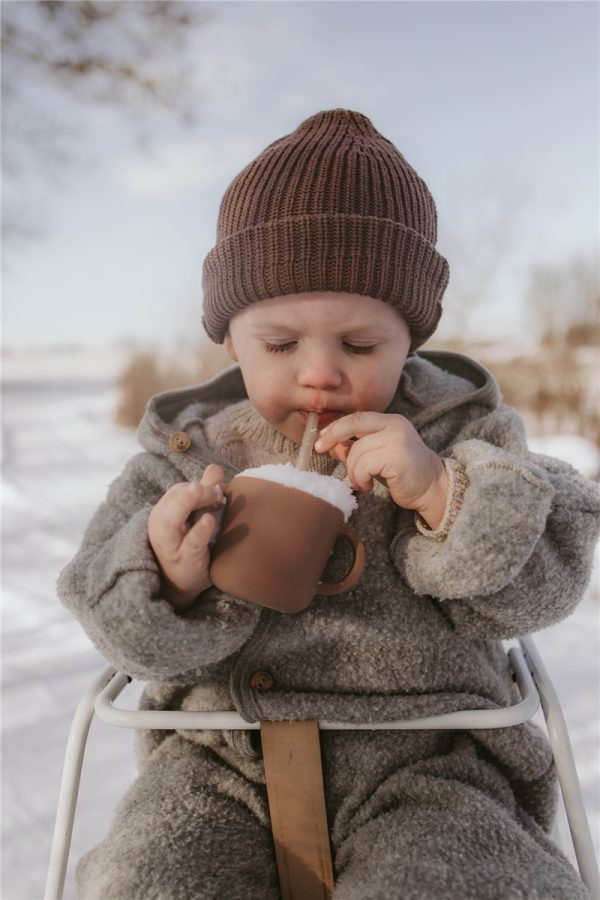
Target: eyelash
column 351, row 348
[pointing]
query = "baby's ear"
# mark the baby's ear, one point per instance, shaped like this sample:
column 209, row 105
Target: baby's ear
column 229, row 348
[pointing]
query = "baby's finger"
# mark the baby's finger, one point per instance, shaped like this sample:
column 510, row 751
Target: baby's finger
column 213, row 474
column 212, row 480
column 202, row 534
column 182, row 499
column 197, row 514
column 359, row 464
column 341, row 451
column 356, row 425
column 212, row 477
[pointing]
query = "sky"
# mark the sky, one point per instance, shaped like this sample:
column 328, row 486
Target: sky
column 494, row 103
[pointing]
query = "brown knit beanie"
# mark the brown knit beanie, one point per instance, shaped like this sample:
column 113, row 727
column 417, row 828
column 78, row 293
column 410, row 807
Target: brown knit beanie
column 333, row 206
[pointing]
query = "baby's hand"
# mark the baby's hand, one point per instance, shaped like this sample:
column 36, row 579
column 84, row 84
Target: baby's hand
column 387, row 447
column 182, row 548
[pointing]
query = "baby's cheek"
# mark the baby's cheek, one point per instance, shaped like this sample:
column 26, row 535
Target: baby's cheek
column 373, row 395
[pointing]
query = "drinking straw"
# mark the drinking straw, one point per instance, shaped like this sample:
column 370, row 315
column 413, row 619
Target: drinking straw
column 308, row 441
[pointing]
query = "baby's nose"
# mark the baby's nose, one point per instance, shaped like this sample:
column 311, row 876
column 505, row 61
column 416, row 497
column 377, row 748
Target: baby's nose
column 320, row 371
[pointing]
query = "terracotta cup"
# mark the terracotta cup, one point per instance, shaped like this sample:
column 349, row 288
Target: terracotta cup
column 274, row 543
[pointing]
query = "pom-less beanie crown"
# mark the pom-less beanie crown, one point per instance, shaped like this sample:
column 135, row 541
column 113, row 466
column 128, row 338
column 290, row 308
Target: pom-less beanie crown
column 333, row 206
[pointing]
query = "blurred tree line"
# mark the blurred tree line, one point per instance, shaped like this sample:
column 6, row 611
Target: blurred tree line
column 556, row 384
column 123, row 56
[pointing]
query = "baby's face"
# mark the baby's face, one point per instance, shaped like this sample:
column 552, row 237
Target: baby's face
column 334, row 353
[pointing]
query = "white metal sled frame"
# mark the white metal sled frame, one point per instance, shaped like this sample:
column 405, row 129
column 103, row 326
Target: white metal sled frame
column 532, row 679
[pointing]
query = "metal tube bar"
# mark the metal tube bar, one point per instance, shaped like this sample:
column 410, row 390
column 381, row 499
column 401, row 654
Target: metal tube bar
column 229, row 720
column 566, row 770
column 69, row 787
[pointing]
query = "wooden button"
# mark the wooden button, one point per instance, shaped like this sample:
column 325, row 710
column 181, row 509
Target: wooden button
column 180, row 441
column 261, row 681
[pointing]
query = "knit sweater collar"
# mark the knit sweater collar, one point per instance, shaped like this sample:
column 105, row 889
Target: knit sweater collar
column 432, row 384
column 246, row 439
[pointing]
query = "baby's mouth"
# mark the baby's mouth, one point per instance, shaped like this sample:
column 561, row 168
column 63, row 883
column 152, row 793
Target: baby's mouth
column 326, row 416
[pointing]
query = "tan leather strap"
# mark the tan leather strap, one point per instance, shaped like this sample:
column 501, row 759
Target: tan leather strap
column 294, row 775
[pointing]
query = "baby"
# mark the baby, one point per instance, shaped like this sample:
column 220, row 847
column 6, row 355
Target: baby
column 324, row 282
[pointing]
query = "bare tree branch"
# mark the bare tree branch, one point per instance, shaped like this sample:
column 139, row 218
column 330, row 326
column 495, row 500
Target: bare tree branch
column 63, row 60
column 99, row 48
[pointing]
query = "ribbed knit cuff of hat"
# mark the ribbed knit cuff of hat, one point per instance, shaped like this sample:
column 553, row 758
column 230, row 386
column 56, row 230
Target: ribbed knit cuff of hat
column 328, row 252
column 458, row 482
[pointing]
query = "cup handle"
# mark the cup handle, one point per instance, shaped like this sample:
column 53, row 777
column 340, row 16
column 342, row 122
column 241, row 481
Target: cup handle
column 331, row 588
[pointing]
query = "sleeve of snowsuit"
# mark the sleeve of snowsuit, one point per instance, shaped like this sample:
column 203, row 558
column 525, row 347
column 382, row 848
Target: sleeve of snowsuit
column 519, row 553
column 113, row 587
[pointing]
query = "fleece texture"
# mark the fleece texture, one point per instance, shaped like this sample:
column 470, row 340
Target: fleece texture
column 418, row 815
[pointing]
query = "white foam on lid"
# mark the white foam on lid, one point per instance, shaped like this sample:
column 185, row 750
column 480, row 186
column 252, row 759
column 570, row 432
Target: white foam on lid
column 325, row 487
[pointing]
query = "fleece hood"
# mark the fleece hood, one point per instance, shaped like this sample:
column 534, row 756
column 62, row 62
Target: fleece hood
column 433, row 383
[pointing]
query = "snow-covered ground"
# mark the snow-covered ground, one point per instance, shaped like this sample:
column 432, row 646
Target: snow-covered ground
column 61, row 450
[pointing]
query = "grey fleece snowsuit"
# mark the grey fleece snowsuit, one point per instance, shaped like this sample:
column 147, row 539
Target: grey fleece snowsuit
column 412, row 815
